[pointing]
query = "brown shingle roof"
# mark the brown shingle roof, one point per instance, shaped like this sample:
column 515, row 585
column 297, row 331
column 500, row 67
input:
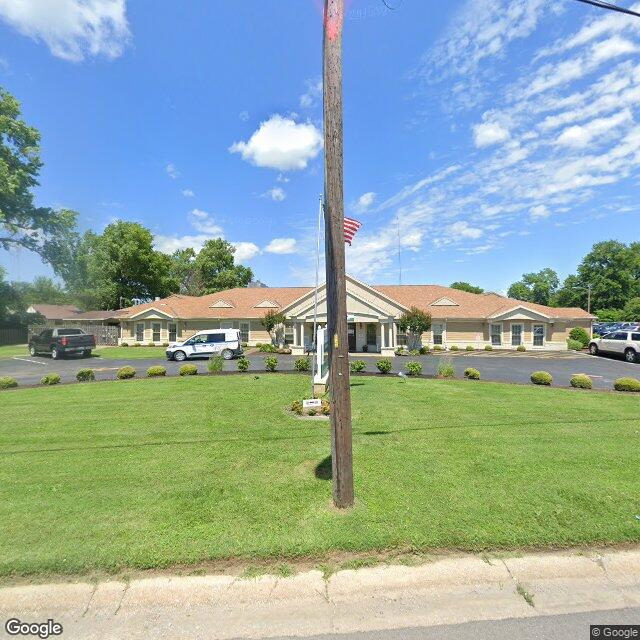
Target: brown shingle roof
column 55, row 311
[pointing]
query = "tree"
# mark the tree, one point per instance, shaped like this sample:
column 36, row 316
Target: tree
column 22, row 224
column 537, row 287
column 414, row 323
column 610, row 315
column 184, row 272
column 42, row 290
column 632, row 310
column 273, row 322
column 215, row 270
column 465, row 286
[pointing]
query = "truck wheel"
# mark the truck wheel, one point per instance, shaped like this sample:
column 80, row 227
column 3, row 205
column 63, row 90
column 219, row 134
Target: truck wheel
column 86, row 353
column 55, row 354
column 227, row 354
column 179, row 356
column 32, row 350
column 630, row 355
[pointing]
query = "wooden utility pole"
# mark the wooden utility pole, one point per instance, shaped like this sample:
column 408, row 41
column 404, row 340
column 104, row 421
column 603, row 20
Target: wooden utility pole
column 341, row 446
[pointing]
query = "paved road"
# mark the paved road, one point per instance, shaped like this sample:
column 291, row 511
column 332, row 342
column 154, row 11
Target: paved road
column 573, row 626
column 514, row 367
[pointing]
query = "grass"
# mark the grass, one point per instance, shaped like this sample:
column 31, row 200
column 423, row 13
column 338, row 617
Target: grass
column 130, row 353
column 11, row 350
column 115, row 476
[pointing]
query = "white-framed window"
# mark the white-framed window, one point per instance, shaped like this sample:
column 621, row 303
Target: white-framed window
column 244, row 332
column 139, row 331
column 496, row 334
column 173, row 331
column 516, row 335
column 401, row 338
column 288, row 332
column 155, row 329
column 438, row 333
column 226, row 324
column 538, row 335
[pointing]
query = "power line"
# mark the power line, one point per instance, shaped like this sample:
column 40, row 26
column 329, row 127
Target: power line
column 611, row 7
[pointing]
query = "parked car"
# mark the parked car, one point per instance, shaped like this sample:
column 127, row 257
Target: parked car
column 625, row 343
column 204, row 344
column 59, row 343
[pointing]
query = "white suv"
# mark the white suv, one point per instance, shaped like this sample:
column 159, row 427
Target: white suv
column 205, row 344
column 625, row 343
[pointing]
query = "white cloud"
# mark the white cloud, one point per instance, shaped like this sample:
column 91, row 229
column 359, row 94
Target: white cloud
column 245, row 251
column 312, row 94
column 244, row 116
column 580, row 136
column 275, row 193
column 364, row 202
column 282, row 178
column 282, row 246
column 171, row 170
column 169, row 244
column 539, row 212
column 203, row 222
column 188, row 193
column 488, row 133
column 72, row 29
column 281, row 143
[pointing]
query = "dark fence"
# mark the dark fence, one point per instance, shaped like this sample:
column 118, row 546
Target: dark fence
column 104, row 335
column 13, row 335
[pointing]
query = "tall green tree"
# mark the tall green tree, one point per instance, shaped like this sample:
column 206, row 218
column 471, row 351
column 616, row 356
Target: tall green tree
column 465, row 286
column 42, row 290
column 537, row 287
column 22, row 224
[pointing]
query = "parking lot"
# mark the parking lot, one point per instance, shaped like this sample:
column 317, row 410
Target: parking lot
column 499, row 367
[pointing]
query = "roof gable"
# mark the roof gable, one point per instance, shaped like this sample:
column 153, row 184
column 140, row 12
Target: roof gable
column 444, row 302
column 221, row 304
column 267, row 304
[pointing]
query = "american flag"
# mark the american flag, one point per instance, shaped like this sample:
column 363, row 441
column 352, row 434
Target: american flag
column 351, row 227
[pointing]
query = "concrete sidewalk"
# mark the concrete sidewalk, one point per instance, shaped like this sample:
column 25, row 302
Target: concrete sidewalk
column 447, row 591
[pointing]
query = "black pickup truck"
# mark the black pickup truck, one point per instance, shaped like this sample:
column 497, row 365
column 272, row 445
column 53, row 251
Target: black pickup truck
column 60, row 342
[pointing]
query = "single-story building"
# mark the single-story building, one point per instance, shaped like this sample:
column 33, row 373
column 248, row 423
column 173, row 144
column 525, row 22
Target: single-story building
column 458, row 317
column 59, row 315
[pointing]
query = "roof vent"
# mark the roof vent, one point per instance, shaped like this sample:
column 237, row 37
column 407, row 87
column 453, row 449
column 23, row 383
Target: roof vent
column 221, row 304
column 267, row 304
column 444, row 302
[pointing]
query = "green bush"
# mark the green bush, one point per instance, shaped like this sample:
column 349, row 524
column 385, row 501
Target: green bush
column 384, row 365
column 156, row 371
column 85, row 375
column 414, row 352
column 446, row 369
column 302, row 364
column 188, row 370
column 414, row 368
column 270, row 363
column 627, row 384
column 215, row 364
column 124, row 344
column 580, row 335
column 581, row 381
column 488, row 347
column 7, row 382
column 454, row 347
column 521, row 348
column 356, row 366
column 151, row 344
column 424, row 350
column 125, row 373
column 267, row 348
column 50, row 378
column 438, row 347
column 296, row 407
column 401, row 351
column 542, row 377
column 165, row 344
column 469, row 348
column 574, row 345
column 243, row 364
column 137, row 344
column 472, row 374
column 325, row 410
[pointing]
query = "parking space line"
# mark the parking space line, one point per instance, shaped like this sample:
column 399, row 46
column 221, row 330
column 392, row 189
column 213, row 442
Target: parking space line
column 32, row 361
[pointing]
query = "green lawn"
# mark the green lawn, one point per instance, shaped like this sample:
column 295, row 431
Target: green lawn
column 153, row 472
column 10, row 350
column 137, row 353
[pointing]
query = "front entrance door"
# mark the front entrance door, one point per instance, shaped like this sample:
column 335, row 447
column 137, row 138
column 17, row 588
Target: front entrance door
column 351, row 332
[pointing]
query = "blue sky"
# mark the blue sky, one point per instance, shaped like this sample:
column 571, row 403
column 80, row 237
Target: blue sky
column 499, row 136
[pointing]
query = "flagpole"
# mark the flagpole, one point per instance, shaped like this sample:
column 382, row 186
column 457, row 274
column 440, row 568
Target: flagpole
column 315, row 301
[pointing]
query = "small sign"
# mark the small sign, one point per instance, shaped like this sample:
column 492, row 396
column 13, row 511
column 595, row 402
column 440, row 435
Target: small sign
column 311, row 404
column 336, row 341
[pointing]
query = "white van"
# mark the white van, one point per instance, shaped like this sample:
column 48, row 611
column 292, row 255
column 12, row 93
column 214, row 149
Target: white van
column 205, row 344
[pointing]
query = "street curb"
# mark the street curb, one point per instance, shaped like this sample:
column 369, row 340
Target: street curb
column 450, row 590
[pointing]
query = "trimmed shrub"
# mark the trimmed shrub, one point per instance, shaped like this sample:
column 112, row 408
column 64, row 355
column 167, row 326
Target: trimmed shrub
column 384, row 366
column 472, row 374
column 7, row 382
column 356, row 366
column 454, row 347
column 581, row 381
column 325, row 409
column 488, row 347
column 312, row 412
column 469, row 348
column 302, row 364
column 438, row 347
column 424, row 350
column 267, row 348
column 125, row 373
column 446, row 369
column 296, row 407
column 542, row 377
column 124, row 344
column 188, row 370
column 50, row 379
column 270, row 363
column 580, row 335
column 401, row 351
column 574, row 345
column 414, row 368
column 243, row 364
column 627, row 384
column 156, row 371
column 165, row 344
column 521, row 348
column 151, row 344
column 85, row 375
column 215, row 364
column 414, row 352
column 137, row 344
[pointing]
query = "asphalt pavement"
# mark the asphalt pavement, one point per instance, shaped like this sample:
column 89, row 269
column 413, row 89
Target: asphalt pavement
column 507, row 367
